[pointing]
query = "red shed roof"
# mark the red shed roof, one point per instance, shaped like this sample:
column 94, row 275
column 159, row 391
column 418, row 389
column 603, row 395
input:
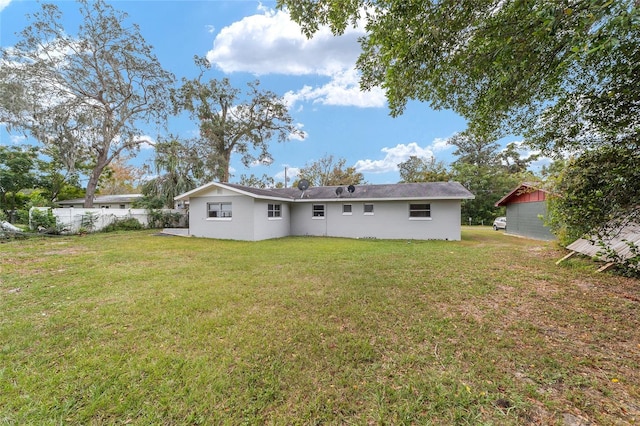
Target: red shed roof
column 525, row 193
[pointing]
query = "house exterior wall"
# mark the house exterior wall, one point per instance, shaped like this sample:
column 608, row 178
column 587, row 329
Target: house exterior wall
column 266, row 227
column 523, row 219
column 239, row 227
column 249, row 220
column 390, row 220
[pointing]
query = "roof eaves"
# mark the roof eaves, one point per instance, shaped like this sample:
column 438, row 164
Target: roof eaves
column 186, row 195
column 233, row 188
column 525, row 185
column 371, row 199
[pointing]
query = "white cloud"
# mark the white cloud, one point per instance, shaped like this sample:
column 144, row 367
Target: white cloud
column 440, row 144
column 147, row 142
column 393, row 156
column 291, row 172
column 298, row 137
column 263, row 162
column 210, row 29
column 17, row 139
column 342, row 90
column 4, row 3
column 271, row 43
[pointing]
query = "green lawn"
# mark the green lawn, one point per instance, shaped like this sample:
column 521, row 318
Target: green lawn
column 134, row 328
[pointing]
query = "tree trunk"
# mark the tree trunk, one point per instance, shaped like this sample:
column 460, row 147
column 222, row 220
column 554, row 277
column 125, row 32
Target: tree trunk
column 226, row 165
column 91, row 189
column 92, row 185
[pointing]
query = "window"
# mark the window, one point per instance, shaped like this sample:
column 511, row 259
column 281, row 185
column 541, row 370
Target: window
column 420, row 211
column 318, row 211
column 122, row 206
column 219, row 210
column 274, row 210
column 368, row 209
column 347, row 209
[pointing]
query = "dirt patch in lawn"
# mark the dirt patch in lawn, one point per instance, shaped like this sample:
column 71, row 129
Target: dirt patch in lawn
column 582, row 340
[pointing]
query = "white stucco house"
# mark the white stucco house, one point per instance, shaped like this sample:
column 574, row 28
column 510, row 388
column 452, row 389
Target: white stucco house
column 421, row 211
column 120, row 201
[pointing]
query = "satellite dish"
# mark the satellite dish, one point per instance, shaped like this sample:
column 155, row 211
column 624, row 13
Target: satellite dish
column 339, row 191
column 351, row 189
column 303, row 184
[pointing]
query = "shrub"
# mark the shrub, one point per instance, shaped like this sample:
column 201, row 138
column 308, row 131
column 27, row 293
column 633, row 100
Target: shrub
column 88, row 221
column 162, row 219
column 21, row 216
column 43, row 221
column 627, row 266
column 126, row 224
column 149, row 202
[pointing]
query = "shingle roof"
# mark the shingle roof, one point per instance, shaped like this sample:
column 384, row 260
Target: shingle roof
column 522, row 188
column 413, row 191
column 120, row 198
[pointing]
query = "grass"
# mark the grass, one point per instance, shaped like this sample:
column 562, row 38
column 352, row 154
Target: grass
column 133, row 328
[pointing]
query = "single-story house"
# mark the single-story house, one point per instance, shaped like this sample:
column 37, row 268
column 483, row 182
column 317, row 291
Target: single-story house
column 526, row 212
column 122, row 201
column 420, row 211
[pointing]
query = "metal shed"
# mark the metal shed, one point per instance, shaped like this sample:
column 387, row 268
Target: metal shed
column 526, row 211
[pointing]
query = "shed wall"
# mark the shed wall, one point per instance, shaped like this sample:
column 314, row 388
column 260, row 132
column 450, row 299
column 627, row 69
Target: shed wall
column 529, row 197
column 523, row 219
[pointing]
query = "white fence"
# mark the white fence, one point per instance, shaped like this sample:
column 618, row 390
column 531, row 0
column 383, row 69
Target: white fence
column 72, row 220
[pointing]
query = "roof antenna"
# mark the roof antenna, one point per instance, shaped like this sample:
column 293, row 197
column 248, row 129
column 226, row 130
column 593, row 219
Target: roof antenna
column 303, row 185
column 351, row 189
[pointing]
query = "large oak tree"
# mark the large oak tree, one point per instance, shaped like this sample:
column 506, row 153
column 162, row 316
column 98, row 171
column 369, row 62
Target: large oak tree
column 86, row 93
column 553, row 70
column 329, row 171
column 423, row 169
column 233, row 121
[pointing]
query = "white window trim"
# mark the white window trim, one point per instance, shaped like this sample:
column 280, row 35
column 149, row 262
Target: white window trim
column 347, row 213
column 279, row 211
column 324, row 212
column 220, row 219
column 420, row 218
column 366, row 213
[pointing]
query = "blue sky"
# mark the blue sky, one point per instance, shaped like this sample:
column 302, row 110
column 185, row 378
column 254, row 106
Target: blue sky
column 248, row 40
